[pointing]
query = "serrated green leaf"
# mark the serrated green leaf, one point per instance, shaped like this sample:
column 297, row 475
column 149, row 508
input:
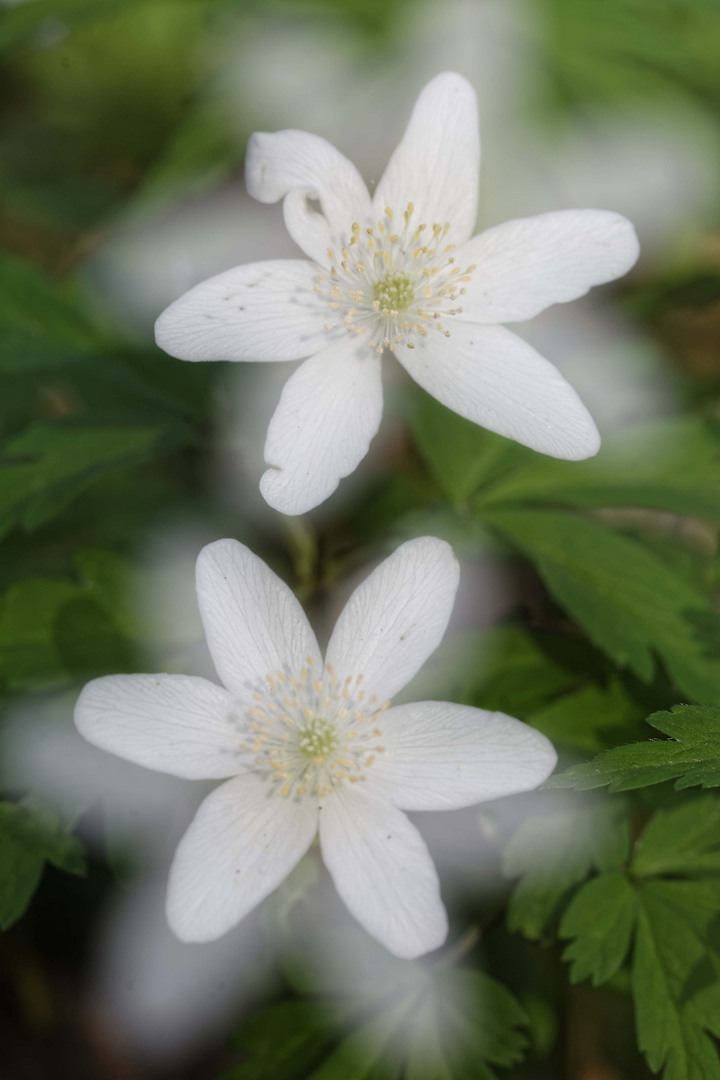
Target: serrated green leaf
column 360, row 1055
column 629, row 603
column 28, row 839
column 691, row 757
column 670, row 1030
column 556, row 851
column 681, row 839
column 601, row 918
column 483, row 1022
column 450, row 1024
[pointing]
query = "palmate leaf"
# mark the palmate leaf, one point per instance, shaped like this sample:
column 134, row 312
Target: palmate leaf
column 29, row 838
column 556, row 851
column 681, row 840
column 629, row 603
column 691, row 756
column 601, row 917
column 675, row 963
column 671, row 1028
column 442, row 1025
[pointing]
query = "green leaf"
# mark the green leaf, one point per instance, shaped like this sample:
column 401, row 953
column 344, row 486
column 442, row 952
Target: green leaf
column 465, row 1023
column 28, row 616
column 53, row 630
column 360, row 1055
column 447, row 1024
column 48, row 464
column 42, row 323
column 109, row 580
column 670, row 1026
column 681, row 839
column 556, row 851
column 28, row 839
column 629, row 603
column 601, row 918
column 588, row 718
column 671, row 466
column 89, row 642
column 506, row 669
column 690, row 757
column 284, row 1040
column 459, row 454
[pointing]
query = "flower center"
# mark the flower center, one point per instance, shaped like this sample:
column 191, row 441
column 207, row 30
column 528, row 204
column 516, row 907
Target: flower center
column 395, row 290
column 394, row 286
column 306, row 736
column 317, row 739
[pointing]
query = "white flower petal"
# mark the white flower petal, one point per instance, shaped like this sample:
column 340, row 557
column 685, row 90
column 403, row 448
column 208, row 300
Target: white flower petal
column 329, row 411
column 243, row 842
column 440, row 756
column 437, row 164
column 523, row 266
column 298, row 166
column 259, row 311
column 254, row 625
column 396, row 618
column 383, row 872
column 177, row 724
column 494, row 378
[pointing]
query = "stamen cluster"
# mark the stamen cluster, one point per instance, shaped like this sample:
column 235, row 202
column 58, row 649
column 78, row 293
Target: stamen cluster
column 308, row 736
column 395, row 286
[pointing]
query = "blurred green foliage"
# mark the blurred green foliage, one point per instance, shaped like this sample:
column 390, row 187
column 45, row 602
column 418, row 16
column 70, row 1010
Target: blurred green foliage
column 116, row 111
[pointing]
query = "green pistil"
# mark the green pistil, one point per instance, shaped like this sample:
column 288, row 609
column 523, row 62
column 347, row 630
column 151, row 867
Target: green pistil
column 395, row 291
column 317, row 739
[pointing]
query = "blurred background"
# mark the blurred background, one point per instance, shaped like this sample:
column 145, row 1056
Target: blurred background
column 123, row 127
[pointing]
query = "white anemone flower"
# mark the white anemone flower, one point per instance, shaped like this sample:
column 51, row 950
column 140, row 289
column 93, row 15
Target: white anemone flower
column 314, row 747
column 398, row 272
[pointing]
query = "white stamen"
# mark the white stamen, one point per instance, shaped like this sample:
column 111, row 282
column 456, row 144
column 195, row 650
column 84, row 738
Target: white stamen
column 397, row 292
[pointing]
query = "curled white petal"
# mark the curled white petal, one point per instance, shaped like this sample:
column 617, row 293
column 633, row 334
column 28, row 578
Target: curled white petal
column 298, row 166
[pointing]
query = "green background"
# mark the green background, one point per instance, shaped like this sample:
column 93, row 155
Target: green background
column 584, row 940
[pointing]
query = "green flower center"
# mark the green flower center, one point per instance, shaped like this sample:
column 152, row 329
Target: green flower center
column 318, row 739
column 395, row 291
